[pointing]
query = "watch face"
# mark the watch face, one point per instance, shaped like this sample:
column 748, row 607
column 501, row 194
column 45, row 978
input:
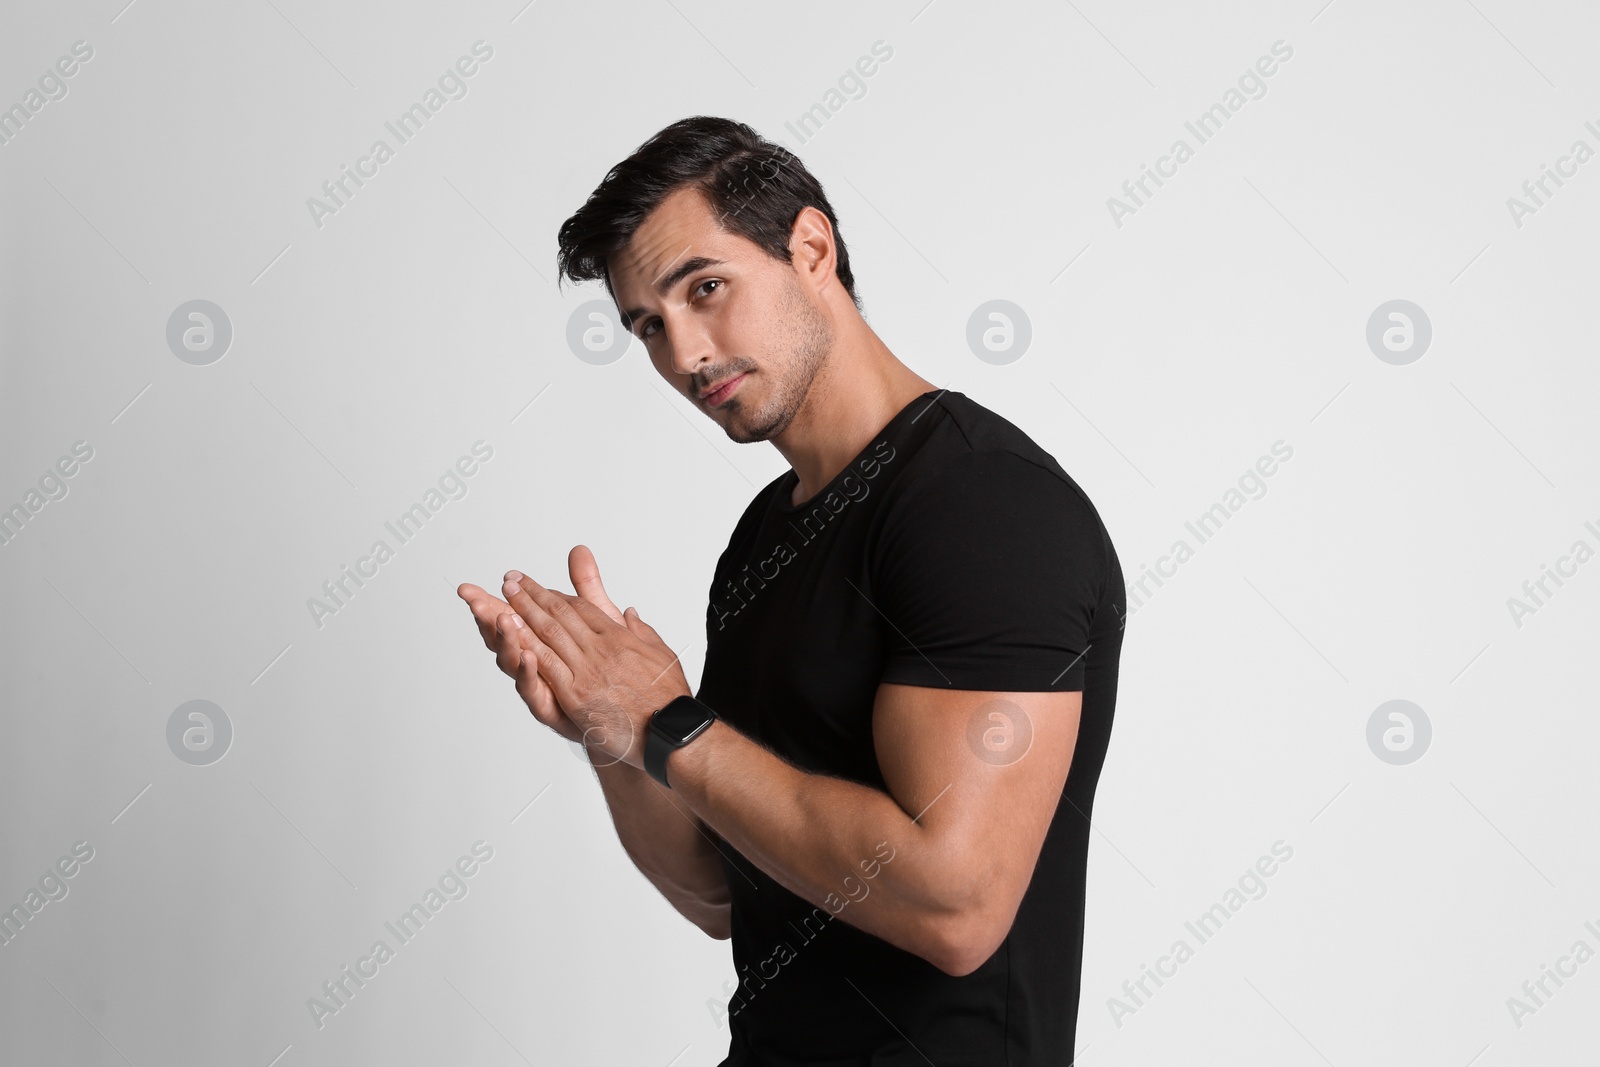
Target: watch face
column 682, row 718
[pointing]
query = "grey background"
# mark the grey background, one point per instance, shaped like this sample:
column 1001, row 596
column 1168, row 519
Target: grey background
column 1167, row 354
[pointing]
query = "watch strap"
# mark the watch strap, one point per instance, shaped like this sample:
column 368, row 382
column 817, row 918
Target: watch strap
column 660, row 743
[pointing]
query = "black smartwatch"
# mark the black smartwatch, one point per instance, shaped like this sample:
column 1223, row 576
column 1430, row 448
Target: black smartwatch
column 671, row 728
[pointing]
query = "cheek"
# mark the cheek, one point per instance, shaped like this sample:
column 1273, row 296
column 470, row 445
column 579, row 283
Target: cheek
column 760, row 327
column 732, row 331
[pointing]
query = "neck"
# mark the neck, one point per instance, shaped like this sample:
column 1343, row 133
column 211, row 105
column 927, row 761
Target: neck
column 858, row 389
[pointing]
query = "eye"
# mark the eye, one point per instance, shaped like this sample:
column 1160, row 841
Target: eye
column 708, row 281
column 644, row 334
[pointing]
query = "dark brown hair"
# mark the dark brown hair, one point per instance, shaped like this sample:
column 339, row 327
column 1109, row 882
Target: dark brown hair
column 756, row 187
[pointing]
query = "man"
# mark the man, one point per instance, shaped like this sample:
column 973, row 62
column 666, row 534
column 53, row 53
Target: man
column 882, row 790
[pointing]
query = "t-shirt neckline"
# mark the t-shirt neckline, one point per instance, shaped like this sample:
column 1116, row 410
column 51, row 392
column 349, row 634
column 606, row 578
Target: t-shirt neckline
column 787, row 483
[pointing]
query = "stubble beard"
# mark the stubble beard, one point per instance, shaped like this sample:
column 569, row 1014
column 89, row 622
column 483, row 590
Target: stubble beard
column 809, row 339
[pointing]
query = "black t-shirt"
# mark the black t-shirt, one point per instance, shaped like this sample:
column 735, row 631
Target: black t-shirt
column 952, row 552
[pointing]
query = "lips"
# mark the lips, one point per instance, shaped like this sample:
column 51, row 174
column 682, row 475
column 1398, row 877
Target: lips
column 717, row 394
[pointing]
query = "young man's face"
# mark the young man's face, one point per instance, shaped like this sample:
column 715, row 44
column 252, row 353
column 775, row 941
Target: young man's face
column 712, row 308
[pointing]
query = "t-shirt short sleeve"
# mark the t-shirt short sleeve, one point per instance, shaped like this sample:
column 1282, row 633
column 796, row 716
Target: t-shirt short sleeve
column 989, row 570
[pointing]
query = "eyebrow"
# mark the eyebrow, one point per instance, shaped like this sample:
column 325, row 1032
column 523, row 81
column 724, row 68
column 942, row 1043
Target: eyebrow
column 668, row 280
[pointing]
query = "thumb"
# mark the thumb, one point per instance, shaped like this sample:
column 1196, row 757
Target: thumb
column 585, row 574
column 639, row 627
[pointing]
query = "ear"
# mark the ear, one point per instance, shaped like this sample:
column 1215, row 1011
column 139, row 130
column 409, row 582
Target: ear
column 812, row 248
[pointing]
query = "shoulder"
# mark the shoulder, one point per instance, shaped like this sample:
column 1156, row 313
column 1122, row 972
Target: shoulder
column 990, row 562
column 978, row 464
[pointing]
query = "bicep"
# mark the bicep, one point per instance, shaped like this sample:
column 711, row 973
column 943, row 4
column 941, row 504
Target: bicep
column 981, row 772
column 989, row 575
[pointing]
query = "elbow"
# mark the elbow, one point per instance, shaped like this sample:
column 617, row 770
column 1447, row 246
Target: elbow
column 967, row 945
column 967, row 901
column 719, row 929
column 715, row 922
column 973, row 929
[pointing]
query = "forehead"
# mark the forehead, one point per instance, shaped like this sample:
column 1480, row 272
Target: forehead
column 682, row 226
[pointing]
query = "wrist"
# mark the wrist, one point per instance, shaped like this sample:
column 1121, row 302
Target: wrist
column 690, row 765
column 676, row 725
column 603, row 761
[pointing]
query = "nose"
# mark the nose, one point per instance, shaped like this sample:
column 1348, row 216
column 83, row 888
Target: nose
column 692, row 346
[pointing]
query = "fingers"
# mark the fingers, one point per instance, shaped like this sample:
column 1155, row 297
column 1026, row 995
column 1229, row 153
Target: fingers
column 510, row 645
column 592, row 615
column 517, row 652
column 579, row 618
column 585, row 574
column 536, row 693
column 563, row 640
column 576, row 615
column 540, row 698
column 640, row 628
column 486, row 611
column 477, row 598
column 647, row 633
column 482, row 606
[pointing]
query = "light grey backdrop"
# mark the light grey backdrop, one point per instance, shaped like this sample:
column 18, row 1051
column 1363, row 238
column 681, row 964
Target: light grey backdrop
column 1160, row 349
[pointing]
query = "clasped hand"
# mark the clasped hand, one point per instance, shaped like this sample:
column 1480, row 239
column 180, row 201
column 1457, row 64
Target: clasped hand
column 586, row 670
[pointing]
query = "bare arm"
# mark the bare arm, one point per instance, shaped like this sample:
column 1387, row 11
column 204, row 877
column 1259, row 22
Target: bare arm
column 950, row 845
column 667, row 842
column 963, row 832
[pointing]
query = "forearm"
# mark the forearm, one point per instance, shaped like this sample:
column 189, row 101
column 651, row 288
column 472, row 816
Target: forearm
column 824, row 839
column 665, row 841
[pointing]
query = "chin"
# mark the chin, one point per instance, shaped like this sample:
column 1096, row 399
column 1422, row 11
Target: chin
column 749, row 426
column 740, row 434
